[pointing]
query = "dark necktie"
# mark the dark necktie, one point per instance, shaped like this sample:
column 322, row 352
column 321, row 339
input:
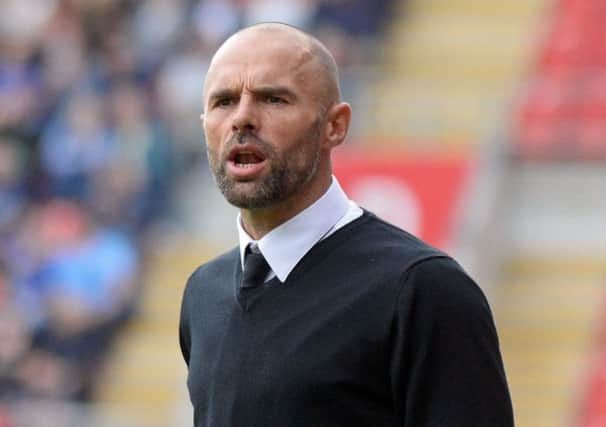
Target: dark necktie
column 255, row 268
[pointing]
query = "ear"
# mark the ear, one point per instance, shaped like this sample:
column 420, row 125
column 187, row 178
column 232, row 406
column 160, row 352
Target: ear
column 203, row 122
column 338, row 118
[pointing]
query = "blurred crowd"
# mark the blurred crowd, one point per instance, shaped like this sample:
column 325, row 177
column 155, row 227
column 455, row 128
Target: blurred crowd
column 99, row 106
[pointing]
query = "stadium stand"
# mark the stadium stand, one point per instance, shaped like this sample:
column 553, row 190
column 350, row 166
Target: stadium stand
column 563, row 112
column 455, row 66
column 551, row 292
column 99, row 104
column 549, row 288
column 592, row 407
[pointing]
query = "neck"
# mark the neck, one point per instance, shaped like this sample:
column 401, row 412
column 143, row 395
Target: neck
column 258, row 222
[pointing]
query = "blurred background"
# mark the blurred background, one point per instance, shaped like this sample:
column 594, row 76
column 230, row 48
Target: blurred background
column 479, row 126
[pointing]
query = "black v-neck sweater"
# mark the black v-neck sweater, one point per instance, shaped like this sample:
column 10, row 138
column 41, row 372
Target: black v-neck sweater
column 372, row 328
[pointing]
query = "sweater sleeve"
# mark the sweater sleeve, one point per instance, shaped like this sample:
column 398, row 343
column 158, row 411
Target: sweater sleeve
column 184, row 323
column 446, row 368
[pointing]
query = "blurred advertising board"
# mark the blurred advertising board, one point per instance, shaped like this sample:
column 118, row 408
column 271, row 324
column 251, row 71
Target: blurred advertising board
column 420, row 193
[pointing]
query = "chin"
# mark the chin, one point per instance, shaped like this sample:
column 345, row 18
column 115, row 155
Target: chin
column 247, row 197
column 249, row 203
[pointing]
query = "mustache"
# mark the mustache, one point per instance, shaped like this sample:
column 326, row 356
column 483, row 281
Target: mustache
column 242, row 138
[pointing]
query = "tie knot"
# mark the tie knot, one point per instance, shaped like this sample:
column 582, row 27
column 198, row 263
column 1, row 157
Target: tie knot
column 255, row 267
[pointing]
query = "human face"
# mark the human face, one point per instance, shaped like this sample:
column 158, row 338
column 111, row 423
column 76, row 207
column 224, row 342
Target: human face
column 263, row 121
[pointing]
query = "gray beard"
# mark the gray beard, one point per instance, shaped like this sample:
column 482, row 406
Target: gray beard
column 279, row 185
column 282, row 182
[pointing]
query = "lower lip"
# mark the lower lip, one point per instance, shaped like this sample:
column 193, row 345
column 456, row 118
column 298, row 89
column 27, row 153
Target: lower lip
column 251, row 171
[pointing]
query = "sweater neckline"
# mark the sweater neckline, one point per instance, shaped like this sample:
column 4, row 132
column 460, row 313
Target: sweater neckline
column 274, row 285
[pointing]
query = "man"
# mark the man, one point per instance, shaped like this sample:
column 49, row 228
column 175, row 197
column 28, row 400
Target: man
column 325, row 315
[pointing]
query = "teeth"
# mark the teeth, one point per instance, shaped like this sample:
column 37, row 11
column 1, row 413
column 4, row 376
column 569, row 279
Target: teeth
column 245, row 165
column 246, row 158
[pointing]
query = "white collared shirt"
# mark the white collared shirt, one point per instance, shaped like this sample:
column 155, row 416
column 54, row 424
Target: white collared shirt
column 284, row 246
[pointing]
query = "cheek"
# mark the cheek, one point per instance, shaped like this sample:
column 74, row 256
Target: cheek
column 212, row 132
column 303, row 147
column 290, row 134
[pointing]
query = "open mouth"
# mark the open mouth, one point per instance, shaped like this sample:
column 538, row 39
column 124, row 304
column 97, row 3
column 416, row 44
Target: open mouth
column 246, row 162
column 247, row 159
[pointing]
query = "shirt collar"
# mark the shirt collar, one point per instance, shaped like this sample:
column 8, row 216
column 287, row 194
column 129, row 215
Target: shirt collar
column 284, row 246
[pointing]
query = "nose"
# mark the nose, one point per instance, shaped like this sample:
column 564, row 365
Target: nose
column 245, row 116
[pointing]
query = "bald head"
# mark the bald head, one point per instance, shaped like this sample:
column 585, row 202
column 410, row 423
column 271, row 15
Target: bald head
column 308, row 51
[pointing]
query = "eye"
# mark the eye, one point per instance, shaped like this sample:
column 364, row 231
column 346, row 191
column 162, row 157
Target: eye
column 272, row 99
column 224, row 102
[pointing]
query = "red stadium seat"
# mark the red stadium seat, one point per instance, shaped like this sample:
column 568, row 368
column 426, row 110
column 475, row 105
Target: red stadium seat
column 563, row 114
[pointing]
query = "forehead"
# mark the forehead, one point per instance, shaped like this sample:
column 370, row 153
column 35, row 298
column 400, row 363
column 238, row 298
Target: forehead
column 262, row 58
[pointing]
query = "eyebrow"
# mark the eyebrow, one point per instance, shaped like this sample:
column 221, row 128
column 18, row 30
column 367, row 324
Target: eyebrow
column 220, row 94
column 263, row 90
column 274, row 90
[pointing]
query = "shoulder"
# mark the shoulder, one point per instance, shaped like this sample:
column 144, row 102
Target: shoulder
column 440, row 272
column 379, row 239
column 439, row 287
column 422, row 269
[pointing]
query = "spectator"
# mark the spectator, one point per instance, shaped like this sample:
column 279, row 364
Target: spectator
column 13, row 196
column 177, row 96
column 14, row 336
column 132, row 189
column 359, row 18
column 86, row 288
column 214, row 20
column 156, row 25
column 76, row 145
column 298, row 13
